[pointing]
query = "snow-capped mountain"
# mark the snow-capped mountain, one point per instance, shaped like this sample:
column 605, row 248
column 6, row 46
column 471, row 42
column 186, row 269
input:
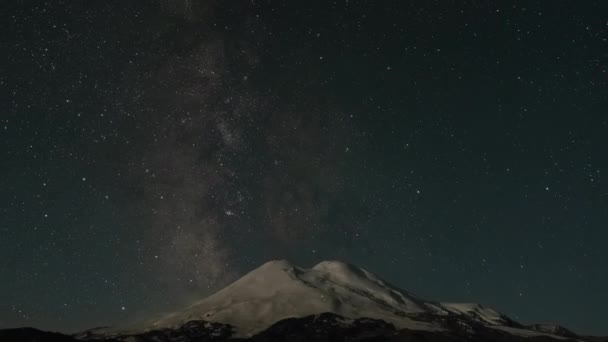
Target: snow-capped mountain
column 332, row 301
column 278, row 290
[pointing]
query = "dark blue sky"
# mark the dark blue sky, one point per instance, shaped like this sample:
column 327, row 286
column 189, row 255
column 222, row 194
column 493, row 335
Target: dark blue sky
column 153, row 152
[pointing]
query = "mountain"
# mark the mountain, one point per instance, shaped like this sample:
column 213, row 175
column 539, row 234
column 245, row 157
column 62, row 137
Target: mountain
column 279, row 290
column 332, row 301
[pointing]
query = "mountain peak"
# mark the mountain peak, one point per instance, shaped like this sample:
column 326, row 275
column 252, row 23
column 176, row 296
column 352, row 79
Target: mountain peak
column 333, row 264
column 280, row 298
column 279, row 289
column 345, row 272
column 279, row 263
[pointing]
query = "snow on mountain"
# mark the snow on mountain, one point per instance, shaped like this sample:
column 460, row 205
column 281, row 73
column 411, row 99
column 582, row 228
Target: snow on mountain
column 478, row 312
column 279, row 290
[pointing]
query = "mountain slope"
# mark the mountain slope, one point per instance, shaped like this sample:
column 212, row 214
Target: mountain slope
column 279, row 290
column 479, row 313
column 332, row 301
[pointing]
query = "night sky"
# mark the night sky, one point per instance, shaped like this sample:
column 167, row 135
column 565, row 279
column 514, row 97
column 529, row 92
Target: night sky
column 153, row 151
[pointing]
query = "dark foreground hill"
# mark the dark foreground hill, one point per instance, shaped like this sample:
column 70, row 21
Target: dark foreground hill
column 326, row 327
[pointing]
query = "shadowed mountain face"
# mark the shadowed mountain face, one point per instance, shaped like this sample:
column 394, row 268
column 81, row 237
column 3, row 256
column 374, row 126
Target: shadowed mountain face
column 332, row 301
column 33, row 335
column 326, row 327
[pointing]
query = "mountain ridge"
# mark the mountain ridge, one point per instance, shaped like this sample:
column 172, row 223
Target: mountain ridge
column 331, row 301
column 279, row 289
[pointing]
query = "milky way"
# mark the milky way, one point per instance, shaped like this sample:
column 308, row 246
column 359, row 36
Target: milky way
column 221, row 160
column 154, row 151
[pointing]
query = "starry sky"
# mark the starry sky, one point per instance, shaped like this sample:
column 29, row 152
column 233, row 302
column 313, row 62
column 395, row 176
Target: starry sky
column 154, row 151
